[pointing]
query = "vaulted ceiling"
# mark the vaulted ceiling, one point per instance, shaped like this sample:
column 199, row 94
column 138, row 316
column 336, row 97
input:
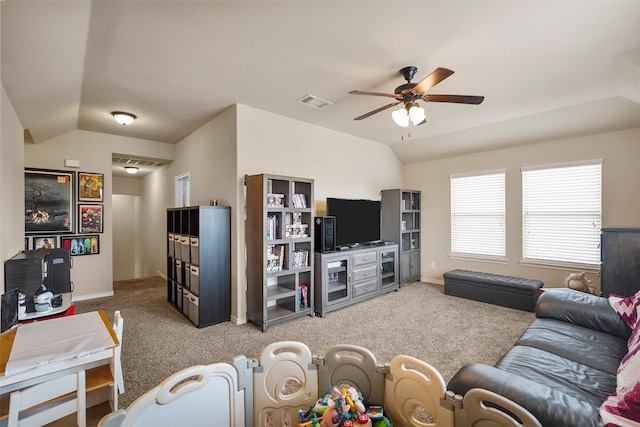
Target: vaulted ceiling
column 548, row 69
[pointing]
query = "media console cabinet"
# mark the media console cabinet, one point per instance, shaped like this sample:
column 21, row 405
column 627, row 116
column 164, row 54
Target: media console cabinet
column 346, row 277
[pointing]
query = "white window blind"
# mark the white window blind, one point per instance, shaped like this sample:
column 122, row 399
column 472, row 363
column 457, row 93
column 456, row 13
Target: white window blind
column 478, row 214
column 562, row 213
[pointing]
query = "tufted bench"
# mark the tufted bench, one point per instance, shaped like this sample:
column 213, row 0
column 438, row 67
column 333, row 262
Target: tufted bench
column 507, row 291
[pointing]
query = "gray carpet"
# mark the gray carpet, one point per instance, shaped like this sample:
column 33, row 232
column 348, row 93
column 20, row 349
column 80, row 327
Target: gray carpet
column 418, row 320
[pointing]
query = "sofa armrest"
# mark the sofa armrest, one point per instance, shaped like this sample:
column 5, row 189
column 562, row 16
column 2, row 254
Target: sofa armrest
column 581, row 309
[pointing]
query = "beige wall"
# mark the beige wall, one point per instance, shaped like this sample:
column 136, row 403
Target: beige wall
column 11, row 182
column 243, row 140
column 126, row 185
column 209, row 156
column 341, row 166
column 92, row 275
column 157, row 196
column 126, row 239
column 619, row 151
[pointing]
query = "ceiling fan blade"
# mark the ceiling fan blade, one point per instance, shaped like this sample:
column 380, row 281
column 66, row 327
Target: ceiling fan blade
column 458, row 99
column 377, row 110
column 362, row 92
column 422, row 122
column 438, row 75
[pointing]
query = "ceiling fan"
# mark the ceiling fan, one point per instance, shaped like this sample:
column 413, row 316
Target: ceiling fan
column 409, row 93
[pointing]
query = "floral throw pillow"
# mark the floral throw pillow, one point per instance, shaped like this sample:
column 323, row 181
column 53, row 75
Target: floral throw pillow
column 622, row 408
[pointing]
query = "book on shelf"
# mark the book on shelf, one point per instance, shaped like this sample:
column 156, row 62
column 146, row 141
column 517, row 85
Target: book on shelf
column 272, row 227
column 275, row 200
column 299, row 201
column 300, row 259
column 296, row 231
column 304, row 296
column 275, row 257
column 294, row 227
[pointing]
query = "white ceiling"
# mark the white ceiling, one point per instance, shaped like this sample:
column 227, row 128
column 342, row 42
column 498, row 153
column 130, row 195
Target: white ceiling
column 548, row 69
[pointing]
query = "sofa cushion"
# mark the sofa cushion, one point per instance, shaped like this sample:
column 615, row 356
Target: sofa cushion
column 572, row 378
column 623, row 406
column 579, row 344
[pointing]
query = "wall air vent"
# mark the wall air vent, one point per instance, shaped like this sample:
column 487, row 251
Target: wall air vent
column 315, row 102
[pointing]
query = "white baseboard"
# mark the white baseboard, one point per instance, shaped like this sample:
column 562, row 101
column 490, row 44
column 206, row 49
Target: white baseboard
column 432, row 281
column 91, row 296
column 239, row 320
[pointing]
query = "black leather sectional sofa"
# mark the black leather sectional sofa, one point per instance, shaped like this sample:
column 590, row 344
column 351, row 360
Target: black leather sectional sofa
column 564, row 365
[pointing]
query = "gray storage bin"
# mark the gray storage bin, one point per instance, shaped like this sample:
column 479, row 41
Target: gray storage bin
column 179, row 296
column 194, row 279
column 177, row 249
column 185, row 302
column 172, row 245
column 179, row 271
column 193, row 308
column 184, row 243
column 186, row 283
column 172, row 291
column 195, row 250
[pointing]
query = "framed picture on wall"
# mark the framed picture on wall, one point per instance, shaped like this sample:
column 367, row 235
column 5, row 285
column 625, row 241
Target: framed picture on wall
column 45, row 242
column 81, row 245
column 89, row 219
column 90, row 187
column 49, row 203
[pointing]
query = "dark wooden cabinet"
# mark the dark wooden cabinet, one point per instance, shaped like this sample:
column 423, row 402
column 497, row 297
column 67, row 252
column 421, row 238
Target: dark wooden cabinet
column 348, row 277
column 199, row 263
column 401, row 224
column 620, row 256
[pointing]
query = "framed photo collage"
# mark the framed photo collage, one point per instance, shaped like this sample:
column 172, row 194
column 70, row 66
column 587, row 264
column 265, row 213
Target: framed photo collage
column 63, row 209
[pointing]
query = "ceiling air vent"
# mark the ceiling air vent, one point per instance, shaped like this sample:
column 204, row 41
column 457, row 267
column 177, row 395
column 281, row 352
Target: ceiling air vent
column 315, row 102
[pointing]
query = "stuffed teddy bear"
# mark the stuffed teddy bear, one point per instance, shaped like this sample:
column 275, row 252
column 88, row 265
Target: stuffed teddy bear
column 579, row 282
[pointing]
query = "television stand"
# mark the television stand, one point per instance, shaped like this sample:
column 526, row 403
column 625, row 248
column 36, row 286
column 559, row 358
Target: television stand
column 349, row 276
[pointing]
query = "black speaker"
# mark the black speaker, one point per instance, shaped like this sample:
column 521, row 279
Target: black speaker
column 325, row 231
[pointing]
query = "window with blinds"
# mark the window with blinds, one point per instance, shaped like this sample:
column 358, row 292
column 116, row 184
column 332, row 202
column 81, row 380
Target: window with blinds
column 562, row 213
column 478, row 215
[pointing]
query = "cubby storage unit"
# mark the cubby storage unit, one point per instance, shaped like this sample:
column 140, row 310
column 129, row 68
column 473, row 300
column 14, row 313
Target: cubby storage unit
column 279, row 240
column 401, row 224
column 347, row 277
column 199, row 263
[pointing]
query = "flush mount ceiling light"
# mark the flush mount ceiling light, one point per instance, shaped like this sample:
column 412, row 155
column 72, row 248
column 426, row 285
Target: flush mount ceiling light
column 123, row 118
column 131, row 170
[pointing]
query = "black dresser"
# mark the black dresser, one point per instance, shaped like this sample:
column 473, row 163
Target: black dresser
column 620, row 255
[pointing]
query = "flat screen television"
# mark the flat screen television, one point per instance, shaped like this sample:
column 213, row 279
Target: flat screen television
column 357, row 221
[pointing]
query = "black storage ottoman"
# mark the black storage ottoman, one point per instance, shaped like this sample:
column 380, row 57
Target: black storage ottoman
column 507, row 291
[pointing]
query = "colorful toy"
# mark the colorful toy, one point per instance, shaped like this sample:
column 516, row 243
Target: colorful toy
column 384, row 422
column 375, row 412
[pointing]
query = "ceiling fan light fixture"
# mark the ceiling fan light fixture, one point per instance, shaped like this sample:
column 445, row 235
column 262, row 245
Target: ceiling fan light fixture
column 123, row 118
column 401, row 117
column 131, row 170
column 416, row 114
